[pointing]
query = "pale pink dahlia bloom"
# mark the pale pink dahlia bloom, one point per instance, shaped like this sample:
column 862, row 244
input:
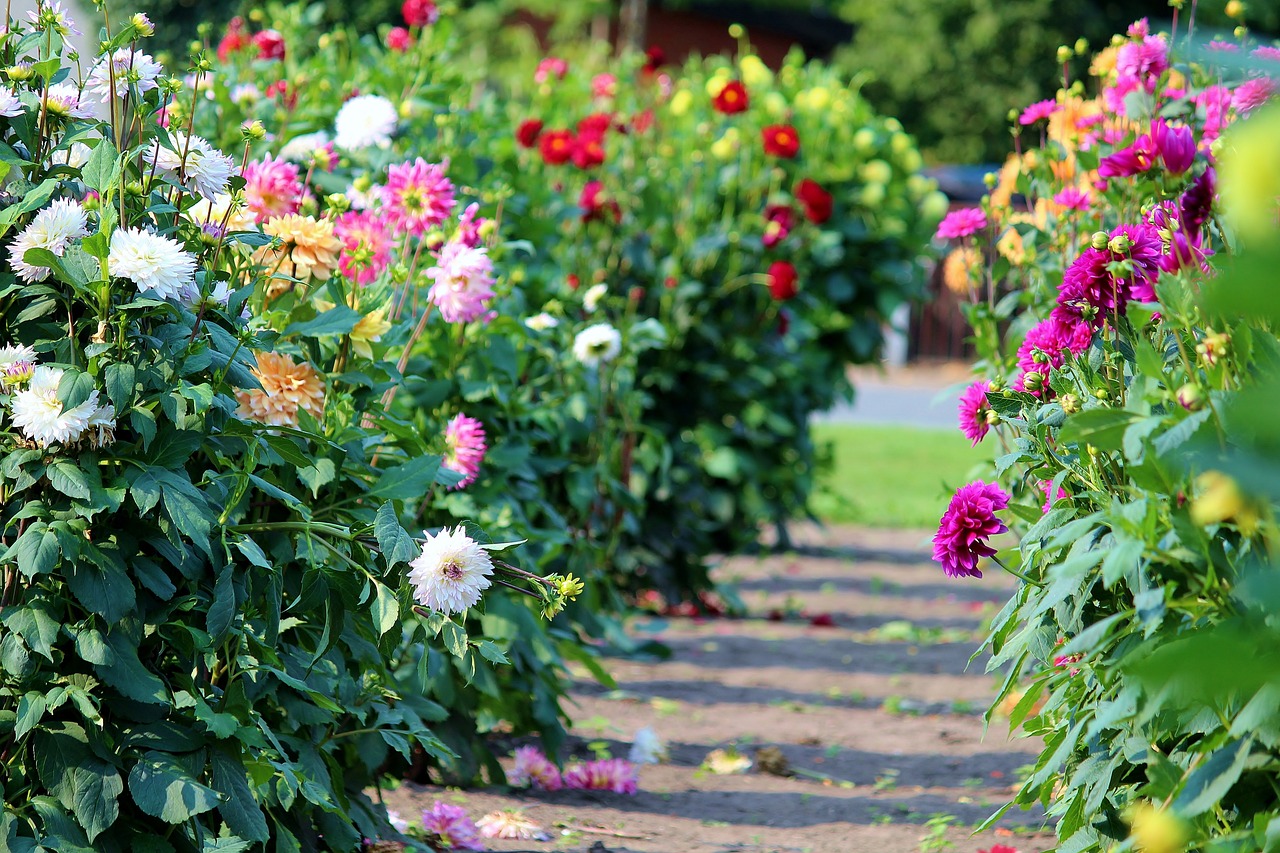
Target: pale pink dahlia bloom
column 973, row 411
column 970, row 519
column 463, row 277
column 1251, row 94
column 610, row 774
column 272, row 188
column 417, row 196
column 448, row 826
column 366, row 245
column 534, row 769
column 464, row 448
column 962, row 223
column 511, row 825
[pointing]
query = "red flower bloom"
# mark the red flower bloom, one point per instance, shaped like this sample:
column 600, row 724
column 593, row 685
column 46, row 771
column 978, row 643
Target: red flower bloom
column 528, row 132
column 654, row 58
column 779, row 220
column 556, row 146
column 596, row 204
column 234, row 40
column 642, row 120
column 399, row 39
column 781, row 140
column 817, row 201
column 419, row 13
column 596, row 124
column 731, row 99
column 588, row 151
column 782, row 280
column 270, row 45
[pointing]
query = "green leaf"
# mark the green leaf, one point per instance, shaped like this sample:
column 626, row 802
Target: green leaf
column 1209, row 783
column 386, row 608
column 31, row 708
column 491, row 652
column 107, row 591
column 162, row 788
column 67, row 478
column 33, row 623
column 102, row 171
column 121, row 378
column 317, row 475
column 723, row 463
column 1103, row 428
column 222, row 612
column 396, row 545
column 455, row 638
column 82, row 782
column 127, row 674
column 339, row 320
column 410, row 481
column 36, row 550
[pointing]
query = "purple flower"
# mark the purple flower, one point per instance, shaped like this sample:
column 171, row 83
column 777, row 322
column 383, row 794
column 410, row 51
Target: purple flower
column 969, row 520
column 973, row 411
column 534, row 768
column 1046, row 345
column 1072, row 198
column 962, row 223
column 1087, row 290
column 1046, row 486
column 1197, row 201
column 449, row 826
column 1038, row 111
column 611, row 774
column 1175, row 145
column 1134, row 160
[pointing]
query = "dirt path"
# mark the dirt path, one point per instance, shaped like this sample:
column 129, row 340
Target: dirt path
column 875, row 714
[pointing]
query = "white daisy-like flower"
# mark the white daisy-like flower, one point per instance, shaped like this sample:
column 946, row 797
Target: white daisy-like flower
column 53, row 16
column 450, row 573
column 511, row 824
column 591, row 299
column 598, row 344
column 75, row 156
column 52, row 228
column 541, row 322
column 647, row 748
column 17, row 364
column 364, row 121
column 206, row 169
column 245, row 94
column 152, row 262
column 301, row 149
column 131, row 70
column 10, row 106
column 38, row 412
column 63, row 101
column 102, row 424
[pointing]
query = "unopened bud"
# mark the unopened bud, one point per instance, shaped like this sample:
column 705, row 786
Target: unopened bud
column 1082, row 46
column 142, row 24
column 337, row 202
column 1070, row 403
column 21, row 71
column 1033, row 381
column 990, row 179
column 253, row 131
column 1064, row 54
column 1240, row 32
column 1190, row 397
column 1119, row 244
column 1101, row 393
column 991, row 417
column 1100, row 239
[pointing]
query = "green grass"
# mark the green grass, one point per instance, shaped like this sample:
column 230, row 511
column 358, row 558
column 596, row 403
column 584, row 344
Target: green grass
column 891, row 476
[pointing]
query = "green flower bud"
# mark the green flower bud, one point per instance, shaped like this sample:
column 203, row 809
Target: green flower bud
column 1099, row 240
column 1064, row 54
column 1070, row 403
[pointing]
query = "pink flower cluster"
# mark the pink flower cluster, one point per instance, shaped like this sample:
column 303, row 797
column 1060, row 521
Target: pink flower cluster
column 465, row 447
column 962, row 534
column 449, row 827
column 610, row 774
column 462, row 282
column 961, row 223
column 535, row 770
column 272, row 188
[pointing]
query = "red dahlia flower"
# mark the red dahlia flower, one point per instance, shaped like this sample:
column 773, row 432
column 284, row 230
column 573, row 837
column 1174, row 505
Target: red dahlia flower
column 817, row 201
column 779, row 220
column 419, row 13
column 596, row 124
column 596, row 203
column 234, row 39
column 528, row 132
column 731, row 99
column 399, row 39
column 782, row 280
column 781, row 140
column 588, row 151
column 270, row 45
column 556, row 146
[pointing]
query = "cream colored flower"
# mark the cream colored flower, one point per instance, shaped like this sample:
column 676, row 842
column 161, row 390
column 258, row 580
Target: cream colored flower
column 286, row 388
column 309, row 250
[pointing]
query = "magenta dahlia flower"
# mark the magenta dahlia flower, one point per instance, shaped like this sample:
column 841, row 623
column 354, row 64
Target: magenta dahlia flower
column 973, row 411
column 1133, row 160
column 534, row 769
column 610, row 774
column 272, row 188
column 961, row 223
column 1197, row 201
column 464, row 448
column 366, row 250
column 469, row 225
column 1046, row 486
column 463, row 282
column 1215, row 101
column 1038, row 111
column 1251, row 94
column 1176, row 145
column 1072, row 198
column 962, row 535
column 417, row 196
column 1046, row 346
column 448, row 826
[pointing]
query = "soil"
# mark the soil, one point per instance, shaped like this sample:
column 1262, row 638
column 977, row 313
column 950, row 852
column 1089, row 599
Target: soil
column 852, row 663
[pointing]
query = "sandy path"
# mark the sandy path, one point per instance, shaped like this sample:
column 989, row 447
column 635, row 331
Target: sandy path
column 876, row 714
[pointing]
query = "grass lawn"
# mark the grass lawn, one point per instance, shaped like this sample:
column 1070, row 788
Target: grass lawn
column 891, row 476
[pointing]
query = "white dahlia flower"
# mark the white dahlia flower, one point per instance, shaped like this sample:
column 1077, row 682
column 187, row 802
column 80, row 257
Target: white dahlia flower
column 17, row 364
column 38, row 412
column 152, row 262
column 10, row 106
column 364, row 121
column 541, row 322
column 131, row 69
column 63, row 101
column 301, row 149
column 451, row 571
column 206, row 169
column 52, row 228
column 598, row 344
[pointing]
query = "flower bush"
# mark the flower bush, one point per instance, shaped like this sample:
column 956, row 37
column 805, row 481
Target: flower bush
column 1126, row 320
column 213, row 449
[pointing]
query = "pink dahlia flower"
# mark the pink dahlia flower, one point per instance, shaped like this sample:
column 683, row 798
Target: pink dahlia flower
column 1038, row 111
column 551, row 66
column 1046, row 486
column 962, row 534
column 463, row 277
column 611, row 774
column 1216, row 102
column 534, row 769
column 464, row 448
column 417, row 196
column 1251, row 94
column 469, row 224
column 448, row 826
column 1133, row 160
column 272, row 188
column 1197, row 201
column 973, row 411
column 1045, row 347
column 1072, row 198
column 366, row 248
column 1176, row 145
column 962, row 223
column 1267, row 52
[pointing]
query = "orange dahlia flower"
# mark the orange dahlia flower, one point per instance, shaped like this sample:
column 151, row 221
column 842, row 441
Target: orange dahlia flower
column 286, row 388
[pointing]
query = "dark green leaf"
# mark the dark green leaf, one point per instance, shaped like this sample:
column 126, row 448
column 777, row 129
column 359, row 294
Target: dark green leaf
column 163, row 788
column 408, row 481
column 1103, row 428
column 1209, row 783
column 396, row 545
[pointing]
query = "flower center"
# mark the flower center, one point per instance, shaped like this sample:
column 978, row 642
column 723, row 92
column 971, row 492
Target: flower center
column 452, row 570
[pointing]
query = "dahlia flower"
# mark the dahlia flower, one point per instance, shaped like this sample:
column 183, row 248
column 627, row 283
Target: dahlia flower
column 1046, row 486
column 10, row 106
column 549, row 67
column 973, row 411
column 817, row 201
column 53, row 228
column 286, row 387
column 511, row 824
column 1176, row 145
column 732, row 98
column 604, row 86
column 310, row 148
column 399, row 39
column 597, row 344
column 40, row 415
column 222, row 214
column 588, row 151
column 969, row 520
column 779, row 219
column 596, row 203
column 462, row 282
column 132, row 70
column 365, row 121
column 556, row 146
column 647, row 747
column 419, row 13
column 270, row 45
column 17, row 364
column 1072, row 198
column 469, row 224
column 51, row 16
column 534, row 769
column 366, row 248
column 272, row 188
column 465, row 447
column 1038, row 111
column 528, row 131
column 1251, row 94
column 783, row 280
column 193, row 163
column 610, row 774
column 451, row 572
column 152, row 262
column 781, row 140
column 541, row 322
column 63, row 101
column 961, row 223
column 309, row 248
column 1196, row 203
column 448, row 826
column 1046, row 342
column 417, row 196
column 1132, row 160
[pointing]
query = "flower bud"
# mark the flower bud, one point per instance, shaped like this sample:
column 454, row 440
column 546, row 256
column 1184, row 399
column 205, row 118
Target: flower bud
column 1240, row 32
column 1101, row 393
column 1235, row 9
column 1082, row 46
column 134, row 188
column 1099, row 240
column 1033, row 381
column 1040, row 357
column 1064, row 54
column 21, row 71
column 1070, row 403
column 1119, row 244
column 337, row 202
column 1190, row 397
column 991, row 417
column 253, row 131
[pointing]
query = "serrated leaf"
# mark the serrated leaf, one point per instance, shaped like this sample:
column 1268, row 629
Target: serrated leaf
column 1209, row 783
column 1102, row 427
column 455, row 638
column 339, row 320
column 239, row 808
column 162, row 788
column 491, row 652
column 407, row 481
column 67, row 478
column 36, row 550
column 81, row 781
column 102, row 170
column 222, row 611
column 396, row 545
column 386, row 608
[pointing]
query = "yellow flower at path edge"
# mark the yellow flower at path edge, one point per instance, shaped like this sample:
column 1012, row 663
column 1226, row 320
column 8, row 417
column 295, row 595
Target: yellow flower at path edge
column 286, row 388
column 310, row 249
